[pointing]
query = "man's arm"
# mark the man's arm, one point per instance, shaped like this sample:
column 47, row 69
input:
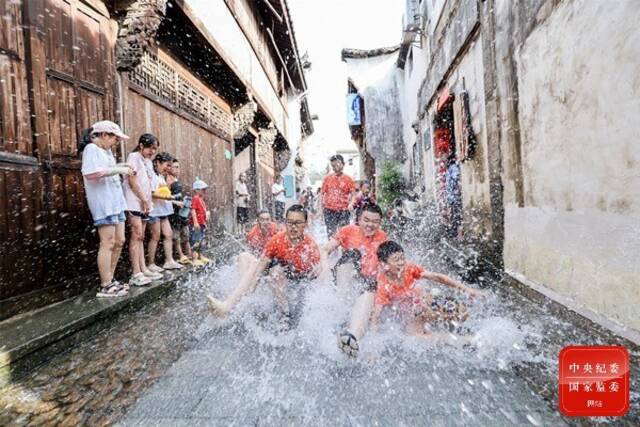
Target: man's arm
column 194, row 218
column 448, row 281
column 330, row 246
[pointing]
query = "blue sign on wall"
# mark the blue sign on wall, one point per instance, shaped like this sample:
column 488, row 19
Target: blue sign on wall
column 353, row 109
column 289, row 187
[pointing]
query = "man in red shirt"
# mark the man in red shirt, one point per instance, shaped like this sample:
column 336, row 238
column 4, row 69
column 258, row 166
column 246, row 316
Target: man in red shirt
column 291, row 256
column 336, row 195
column 359, row 244
column 257, row 238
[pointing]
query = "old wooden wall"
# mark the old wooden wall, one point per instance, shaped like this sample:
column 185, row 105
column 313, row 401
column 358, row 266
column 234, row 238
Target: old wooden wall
column 57, row 77
column 191, row 122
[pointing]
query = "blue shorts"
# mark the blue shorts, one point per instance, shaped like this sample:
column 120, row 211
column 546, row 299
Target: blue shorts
column 110, row 220
column 154, row 219
column 196, row 236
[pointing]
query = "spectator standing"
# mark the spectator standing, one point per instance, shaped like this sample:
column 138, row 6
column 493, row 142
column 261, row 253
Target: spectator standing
column 198, row 222
column 278, row 192
column 242, row 204
column 179, row 223
column 137, row 193
column 337, row 196
column 106, row 202
column 454, row 196
column 159, row 216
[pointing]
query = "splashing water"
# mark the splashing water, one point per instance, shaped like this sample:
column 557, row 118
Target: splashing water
column 254, row 370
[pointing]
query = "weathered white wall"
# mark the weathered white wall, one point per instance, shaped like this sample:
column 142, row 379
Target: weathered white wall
column 476, row 200
column 414, row 72
column 579, row 230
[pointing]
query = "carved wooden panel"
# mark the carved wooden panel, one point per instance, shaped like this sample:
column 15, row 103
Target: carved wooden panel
column 163, row 81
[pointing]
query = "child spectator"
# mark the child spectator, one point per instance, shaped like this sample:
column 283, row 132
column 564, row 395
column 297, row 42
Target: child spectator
column 137, row 193
column 198, row 223
column 181, row 213
column 159, row 216
column 106, row 201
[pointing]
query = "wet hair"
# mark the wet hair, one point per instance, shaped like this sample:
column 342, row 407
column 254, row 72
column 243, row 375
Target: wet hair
column 297, row 208
column 388, row 248
column 163, row 157
column 264, row 211
column 147, row 140
column 337, row 157
column 373, row 208
column 85, row 139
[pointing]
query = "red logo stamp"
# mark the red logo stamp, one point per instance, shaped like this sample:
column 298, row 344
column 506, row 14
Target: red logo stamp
column 594, row 381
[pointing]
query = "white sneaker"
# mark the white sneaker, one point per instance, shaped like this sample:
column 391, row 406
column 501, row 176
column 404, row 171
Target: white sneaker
column 151, row 275
column 139, row 280
column 154, row 268
column 172, row 266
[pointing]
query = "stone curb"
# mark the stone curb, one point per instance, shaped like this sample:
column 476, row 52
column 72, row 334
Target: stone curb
column 33, row 338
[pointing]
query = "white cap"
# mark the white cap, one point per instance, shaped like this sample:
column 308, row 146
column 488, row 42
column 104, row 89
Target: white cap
column 199, row 184
column 108, row 127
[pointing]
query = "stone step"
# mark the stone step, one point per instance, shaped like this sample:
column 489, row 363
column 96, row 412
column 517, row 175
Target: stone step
column 29, row 339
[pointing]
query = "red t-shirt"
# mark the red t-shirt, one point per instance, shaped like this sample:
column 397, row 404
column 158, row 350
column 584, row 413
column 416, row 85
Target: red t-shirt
column 336, row 191
column 303, row 257
column 200, row 208
column 257, row 239
column 352, row 237
column 392, row 293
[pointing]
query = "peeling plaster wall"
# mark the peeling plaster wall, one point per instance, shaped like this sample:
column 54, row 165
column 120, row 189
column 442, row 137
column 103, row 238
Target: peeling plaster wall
column 476, row 200
column 380, row 84
column 578, row 232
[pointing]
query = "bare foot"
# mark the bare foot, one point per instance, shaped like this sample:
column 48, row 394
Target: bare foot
column 216, row 307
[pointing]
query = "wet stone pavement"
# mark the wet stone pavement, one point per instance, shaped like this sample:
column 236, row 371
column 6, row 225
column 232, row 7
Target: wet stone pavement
column 95, row 382
column 169, row 363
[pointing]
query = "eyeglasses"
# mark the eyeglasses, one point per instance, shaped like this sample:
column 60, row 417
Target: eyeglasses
column 296, row 223
column 370, row 221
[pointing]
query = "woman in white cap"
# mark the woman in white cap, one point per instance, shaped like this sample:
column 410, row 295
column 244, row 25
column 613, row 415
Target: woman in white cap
column 106, row 202
column 137, row 193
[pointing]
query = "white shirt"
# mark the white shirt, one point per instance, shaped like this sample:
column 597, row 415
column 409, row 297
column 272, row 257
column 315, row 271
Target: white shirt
column 104, row 195
column 241, row 188
column 144, row 174
column 160, row 207
column 277, row 188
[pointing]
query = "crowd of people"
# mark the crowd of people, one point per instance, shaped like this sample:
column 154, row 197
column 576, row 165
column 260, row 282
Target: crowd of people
column 146, row 192
column 284, row 257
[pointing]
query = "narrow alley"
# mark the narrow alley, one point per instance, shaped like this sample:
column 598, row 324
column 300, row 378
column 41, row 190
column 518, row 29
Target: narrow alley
column 286, row 212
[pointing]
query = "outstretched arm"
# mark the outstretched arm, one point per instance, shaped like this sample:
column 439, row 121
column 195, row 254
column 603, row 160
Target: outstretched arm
column 448, row 281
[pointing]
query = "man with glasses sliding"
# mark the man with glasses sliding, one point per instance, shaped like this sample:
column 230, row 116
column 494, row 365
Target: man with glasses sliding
column 358, row 266
column 291, row 256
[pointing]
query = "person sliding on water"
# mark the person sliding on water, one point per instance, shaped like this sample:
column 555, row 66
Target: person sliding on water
column 396, row 289
column 291, row 256
column 359, row 260
column 257, row 238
